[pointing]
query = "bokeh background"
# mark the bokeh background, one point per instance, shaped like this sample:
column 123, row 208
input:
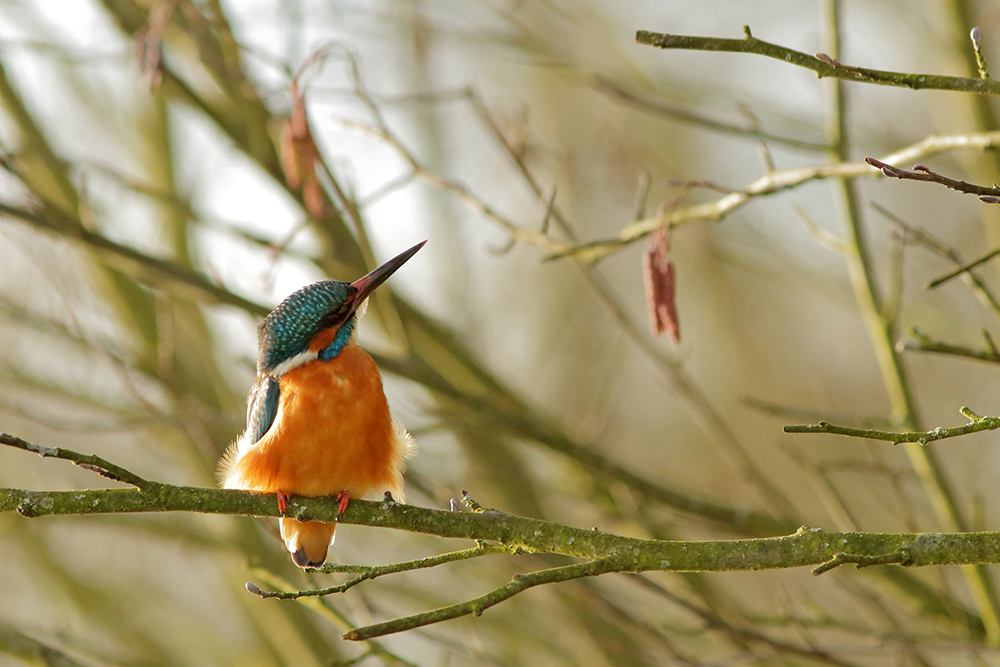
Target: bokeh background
column 151, row 215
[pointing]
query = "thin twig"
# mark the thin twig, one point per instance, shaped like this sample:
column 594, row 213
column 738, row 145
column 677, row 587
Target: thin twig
column 660, row 107
column 921, row 342
column 714, row 622
column 476, row 607
column 144, row 268
column 922, row 173
column 977, row 423
column 823, row 484
column 367, row 572
column 697, row 183
column 335, row 617
column 923, row 238
column 825, row 238
column 768, row 184
column 980, row 58
column 937, row 282
column 822, row 64
column 86, row 461
column 809, row 414
column 456, row 189
column 765, row 151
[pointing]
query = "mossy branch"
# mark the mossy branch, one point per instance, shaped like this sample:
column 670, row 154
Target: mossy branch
column 976, row 423
column 820, row 63
column 805, row 547
column 518, row 584
column 601, row 552
column 489, row 525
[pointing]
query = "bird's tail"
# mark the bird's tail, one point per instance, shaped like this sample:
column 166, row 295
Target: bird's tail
column 307, row 541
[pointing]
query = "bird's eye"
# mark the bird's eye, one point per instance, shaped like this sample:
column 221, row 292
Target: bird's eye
column 336, row 317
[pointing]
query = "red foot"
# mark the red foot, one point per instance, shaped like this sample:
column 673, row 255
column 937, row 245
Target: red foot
column 344, row 499
column 282, row 502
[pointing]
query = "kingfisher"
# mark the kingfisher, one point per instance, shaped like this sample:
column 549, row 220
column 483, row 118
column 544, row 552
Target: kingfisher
column 318, row 423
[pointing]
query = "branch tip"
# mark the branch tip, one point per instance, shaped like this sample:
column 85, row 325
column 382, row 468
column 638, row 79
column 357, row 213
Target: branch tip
column 41, row 450
column 977, row 47
column 971, row 416
column 922, row 172
column 86, row 461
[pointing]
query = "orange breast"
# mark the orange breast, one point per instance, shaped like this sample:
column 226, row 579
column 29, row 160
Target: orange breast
column 332, row 433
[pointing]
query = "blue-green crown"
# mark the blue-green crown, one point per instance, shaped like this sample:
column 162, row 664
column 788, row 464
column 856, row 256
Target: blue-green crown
column 303, row 314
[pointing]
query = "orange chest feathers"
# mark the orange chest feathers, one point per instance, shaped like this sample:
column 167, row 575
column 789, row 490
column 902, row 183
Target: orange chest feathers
column 332, row 433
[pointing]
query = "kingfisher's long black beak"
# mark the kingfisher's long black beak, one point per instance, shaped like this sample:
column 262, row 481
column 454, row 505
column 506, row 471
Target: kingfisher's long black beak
column 367, row 284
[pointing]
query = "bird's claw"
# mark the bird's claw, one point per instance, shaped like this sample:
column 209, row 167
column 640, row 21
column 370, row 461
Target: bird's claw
column 282, row 502
column 344, row 499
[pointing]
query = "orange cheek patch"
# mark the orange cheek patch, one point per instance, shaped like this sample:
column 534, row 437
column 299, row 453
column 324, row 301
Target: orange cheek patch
column 322, row 339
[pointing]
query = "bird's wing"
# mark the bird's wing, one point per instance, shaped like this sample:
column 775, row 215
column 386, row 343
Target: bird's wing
column 262, row 406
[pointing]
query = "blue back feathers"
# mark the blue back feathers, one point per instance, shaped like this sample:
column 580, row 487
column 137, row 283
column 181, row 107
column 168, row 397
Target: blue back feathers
column 289, row 328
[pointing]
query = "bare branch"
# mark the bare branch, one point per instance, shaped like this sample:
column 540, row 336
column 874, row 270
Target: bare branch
column 715, row 622
column 656, row 106
column 921, row 342
column 367, row 572
column 937, row 282
column 923, row 238
column 85, row 461
column 990, row 195
column 771, row 183
column 977, row 424
column 519, row 584
column 822, row 64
